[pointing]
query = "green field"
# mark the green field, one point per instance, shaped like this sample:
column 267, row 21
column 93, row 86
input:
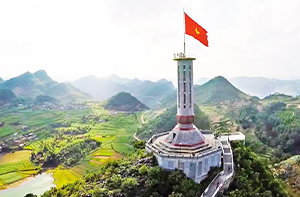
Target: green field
column 16, row 166
column 115, row 135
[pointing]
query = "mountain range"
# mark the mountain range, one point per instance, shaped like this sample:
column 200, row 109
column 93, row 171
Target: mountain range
column 261, row 86
column 147, row 92
column 39, row 83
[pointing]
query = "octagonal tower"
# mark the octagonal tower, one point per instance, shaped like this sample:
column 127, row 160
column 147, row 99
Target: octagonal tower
column 186, row 147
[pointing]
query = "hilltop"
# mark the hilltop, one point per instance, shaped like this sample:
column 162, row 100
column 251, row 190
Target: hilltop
column 217, row 92
column 147, row 92
column 261, row 86
column 124, row 101
column 1, row 80
column 39, row 83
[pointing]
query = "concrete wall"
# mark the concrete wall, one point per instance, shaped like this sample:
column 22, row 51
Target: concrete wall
column 194, row 168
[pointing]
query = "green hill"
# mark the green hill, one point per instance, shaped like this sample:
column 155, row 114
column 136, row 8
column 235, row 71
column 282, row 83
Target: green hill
column 216, row 92
column 124, row 101
column 167, row 121
column 39, row 83
column 6, row 96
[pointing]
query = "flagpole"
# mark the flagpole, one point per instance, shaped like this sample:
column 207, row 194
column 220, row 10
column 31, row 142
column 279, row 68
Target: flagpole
column 183, row 34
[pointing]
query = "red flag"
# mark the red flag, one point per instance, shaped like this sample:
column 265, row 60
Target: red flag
column 195, row 30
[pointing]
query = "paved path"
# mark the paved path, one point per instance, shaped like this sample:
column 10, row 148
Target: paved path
column 224, row 175
column 143, row 122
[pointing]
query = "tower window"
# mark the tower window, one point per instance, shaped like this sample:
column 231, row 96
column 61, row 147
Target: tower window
column 190, row 104
column 178, row 74
column 178, row 99
column 183, row 75
column 184, row 86
column 184, row 99
column 183, row 67
column 190, row 75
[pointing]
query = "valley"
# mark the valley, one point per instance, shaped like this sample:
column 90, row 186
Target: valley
column 79, row 141
column 54, row 133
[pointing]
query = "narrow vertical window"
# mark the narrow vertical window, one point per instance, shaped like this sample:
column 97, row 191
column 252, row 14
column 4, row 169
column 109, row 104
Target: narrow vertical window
column 184, row 99
column 190, row 85
column 183, row 75
column 178, row 99
column 178, row 74
column 190, row 104
column 184, row 87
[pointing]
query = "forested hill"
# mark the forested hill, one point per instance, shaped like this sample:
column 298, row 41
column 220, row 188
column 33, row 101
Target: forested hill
column 139, row 175
column 124, row 101
column 217, row 92
column 39, row 83
column 147, row 92
column 6, row 95
column 276, row 123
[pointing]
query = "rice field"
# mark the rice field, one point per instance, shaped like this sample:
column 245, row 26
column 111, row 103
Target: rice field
column 64, row 176
column 115, row 136
column 16, row 166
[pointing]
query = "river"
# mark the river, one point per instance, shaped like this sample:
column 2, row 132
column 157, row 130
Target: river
column 36, row 185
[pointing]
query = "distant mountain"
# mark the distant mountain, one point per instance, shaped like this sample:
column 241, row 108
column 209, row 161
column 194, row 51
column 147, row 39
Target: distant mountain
column 1, row 80
column 147, row 92
column 261, row 86
column 39, row 83
column 124, row 101
column 216, row 92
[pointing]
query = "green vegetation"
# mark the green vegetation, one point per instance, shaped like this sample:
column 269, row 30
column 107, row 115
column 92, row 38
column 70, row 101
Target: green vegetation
column 16, row 166
column 289, row 172
column 6, row 95
column 134, row 175
column 68, row 139
column 124, row 101
column 253, row 177
column 276, row 125
column 167, row 121
column 65, row 151
column 41, row 99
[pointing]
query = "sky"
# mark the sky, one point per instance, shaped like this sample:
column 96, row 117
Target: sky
column 70, row 39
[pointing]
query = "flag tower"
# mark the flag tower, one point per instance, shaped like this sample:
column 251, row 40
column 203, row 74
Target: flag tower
column 186, row 147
